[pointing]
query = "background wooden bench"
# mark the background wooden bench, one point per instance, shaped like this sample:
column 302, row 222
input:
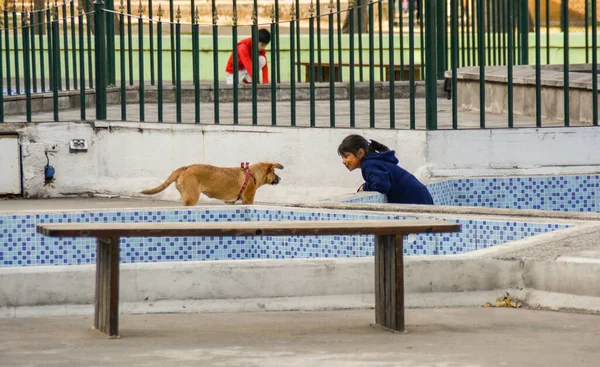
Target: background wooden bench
column 326, row 70
column 389, row 269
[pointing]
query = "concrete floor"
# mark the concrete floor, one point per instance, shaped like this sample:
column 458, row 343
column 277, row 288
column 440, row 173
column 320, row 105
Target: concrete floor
column 435, row 337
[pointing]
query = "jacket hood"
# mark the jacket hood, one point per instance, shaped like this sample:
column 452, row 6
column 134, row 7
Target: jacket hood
column 389, row 156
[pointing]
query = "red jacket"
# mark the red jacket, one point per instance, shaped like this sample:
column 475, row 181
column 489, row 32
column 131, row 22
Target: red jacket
column 245, row 60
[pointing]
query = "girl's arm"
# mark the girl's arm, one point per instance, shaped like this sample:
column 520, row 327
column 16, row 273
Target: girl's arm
column 377, row 180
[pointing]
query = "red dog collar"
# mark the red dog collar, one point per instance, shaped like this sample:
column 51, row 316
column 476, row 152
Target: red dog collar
column 246, row 167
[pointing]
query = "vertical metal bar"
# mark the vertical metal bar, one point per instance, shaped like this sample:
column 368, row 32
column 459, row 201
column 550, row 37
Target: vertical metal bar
column 292, row 67
column 41, row 41
column 441, row 33
column 351, row 96
column 141, row 87
column 298, row 42
column 594, row 63
column 454, row 55
column 273, row 74
column 178, row 66
column 380, row 39
column 392, row 51
column 33, row 48
column 1, row 73
column 360, row 44
column 565, row 9
column 538, row 66
column 81, row 37
column 411, row 62
column 422, row 36
column 587, row 33
column 56, row 60
column 401, row 31
column 524, row 30
column 236, row 74
column 130, row 42
column 332, row 74
column 110, row 43
column 276, row 49
column 16, row 49
column 505, row 28
column 26, row 77
column 255, row 69
column 50, row 45
column 172, row 34
column 486, row 27
column 496, row 45
column 151, row 40
column 473, row 21
column 215, row 33
column 339, row 38
column 74, row 45
column 510, row 62
column 123, row 80
column 464, row 45
column 548, row 32
column 88, row 13
column 371, row 9
column 431, row 66
column 159, row 69
column 311, row 40
column 196, row 65
column 99, row 45
column 7, row 52
column 481, row 50
column 319, row 48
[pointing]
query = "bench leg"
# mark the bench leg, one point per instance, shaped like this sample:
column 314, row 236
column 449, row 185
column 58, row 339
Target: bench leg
column 106, row 316
column 389, row 282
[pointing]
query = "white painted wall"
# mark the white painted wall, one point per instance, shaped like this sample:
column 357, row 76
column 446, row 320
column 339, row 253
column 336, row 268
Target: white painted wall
column 10, row 165
column 513, row 151
column 124, row 158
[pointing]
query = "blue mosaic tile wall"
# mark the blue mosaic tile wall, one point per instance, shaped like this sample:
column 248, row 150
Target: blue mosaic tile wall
column 20, row 245
column 559, row 193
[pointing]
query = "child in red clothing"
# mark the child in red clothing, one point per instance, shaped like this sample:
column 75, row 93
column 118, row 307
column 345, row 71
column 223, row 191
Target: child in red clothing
column 245, row 59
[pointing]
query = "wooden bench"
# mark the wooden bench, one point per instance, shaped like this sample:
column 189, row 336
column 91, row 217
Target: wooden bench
column 389, row 271
column 326, row 70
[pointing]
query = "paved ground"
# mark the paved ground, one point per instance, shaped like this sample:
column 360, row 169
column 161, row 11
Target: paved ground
column 467, row 120
column 435, row 337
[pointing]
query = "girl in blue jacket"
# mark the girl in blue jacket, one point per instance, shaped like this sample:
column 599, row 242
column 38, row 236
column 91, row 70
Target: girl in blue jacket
column 380, row 170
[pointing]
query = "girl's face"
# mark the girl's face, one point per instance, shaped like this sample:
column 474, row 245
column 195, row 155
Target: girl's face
column 352, row 161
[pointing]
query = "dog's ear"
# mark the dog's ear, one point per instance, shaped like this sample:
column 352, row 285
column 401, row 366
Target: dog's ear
column 277, row 165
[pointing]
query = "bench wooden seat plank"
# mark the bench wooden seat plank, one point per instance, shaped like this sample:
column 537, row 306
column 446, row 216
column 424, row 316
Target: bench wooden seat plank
column 389, row 270
column 294, row 228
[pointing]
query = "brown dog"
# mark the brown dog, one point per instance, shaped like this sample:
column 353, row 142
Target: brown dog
column 227, row 184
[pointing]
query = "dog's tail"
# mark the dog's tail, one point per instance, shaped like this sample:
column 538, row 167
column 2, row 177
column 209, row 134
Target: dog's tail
column 165, row 184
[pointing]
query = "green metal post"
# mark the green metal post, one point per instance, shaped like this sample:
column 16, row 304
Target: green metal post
column 215, row 33
column 141, row 87
column 56, row 63
column 276, row 48
column 255, row 71
column 159, row 74
column 431, row 66
column 41, row 42
column 292, row 67
column 7, row 48
column 359, row 9
column 178, row 68
column 235, row 64
column 380, row 39
column 110, row 43
column 311, row 47
column 524, row 31
column 319, row 48
column 196, row 66
column 151, row 40
column 392, row 51
column 74, row 45
column 371, row 68
column 26, row 65
column 511, row 60
column 273, row 74
column 454, row 55
column 123, row 80
column 298, row 43
column 2, row 76
column 82, row 101
column 66, row 46
column 33, row 48
column 16, row 49
column 594, row 64
column 172, row 34
column 411, row 61
column 332, row 75
column 566, row 109
column 91, row 70
column 100, row 58
column 351, row 96
column 481, row 51
column 339, row 37
column 130, row 42
column 538, row 66
column 440, row 15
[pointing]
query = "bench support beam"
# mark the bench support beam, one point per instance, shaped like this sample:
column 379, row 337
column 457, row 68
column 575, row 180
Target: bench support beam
column 389, row 282
column 106, row 315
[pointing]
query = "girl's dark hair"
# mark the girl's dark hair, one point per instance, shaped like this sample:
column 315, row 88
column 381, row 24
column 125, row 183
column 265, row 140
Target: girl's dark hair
column 352, row 144
column 264, row 36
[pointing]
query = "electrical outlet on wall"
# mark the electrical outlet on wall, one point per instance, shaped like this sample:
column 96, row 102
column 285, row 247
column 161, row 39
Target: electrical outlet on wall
column 51, row 147
column 78, row 145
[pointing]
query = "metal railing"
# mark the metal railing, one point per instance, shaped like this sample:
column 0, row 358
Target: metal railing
column 318, row 53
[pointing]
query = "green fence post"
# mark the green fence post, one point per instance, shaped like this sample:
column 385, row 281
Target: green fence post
column 1, row 76
column 81, row 65
column 141, row 86
column 442, row 32
column 332, row 74
column 99, row 46
column 524, row 31
column 215, row 33
column 178, row 66
column 123, row 81
column 311, row 62
column 274, row 68
column 431, row 65
column 56, row 62
column 159, row 70
column 235, row 65
column 26, row 64
column 292, row 66
column 392, row 51
column 110, row 42
column 255, row 68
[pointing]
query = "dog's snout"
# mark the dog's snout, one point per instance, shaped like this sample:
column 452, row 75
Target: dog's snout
column 276, row 180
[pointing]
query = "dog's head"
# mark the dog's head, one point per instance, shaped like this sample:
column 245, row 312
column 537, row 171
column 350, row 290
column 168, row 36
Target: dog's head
column 271, row 177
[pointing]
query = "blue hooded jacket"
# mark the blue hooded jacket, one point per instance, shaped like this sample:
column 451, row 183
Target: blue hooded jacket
column 382, row 174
